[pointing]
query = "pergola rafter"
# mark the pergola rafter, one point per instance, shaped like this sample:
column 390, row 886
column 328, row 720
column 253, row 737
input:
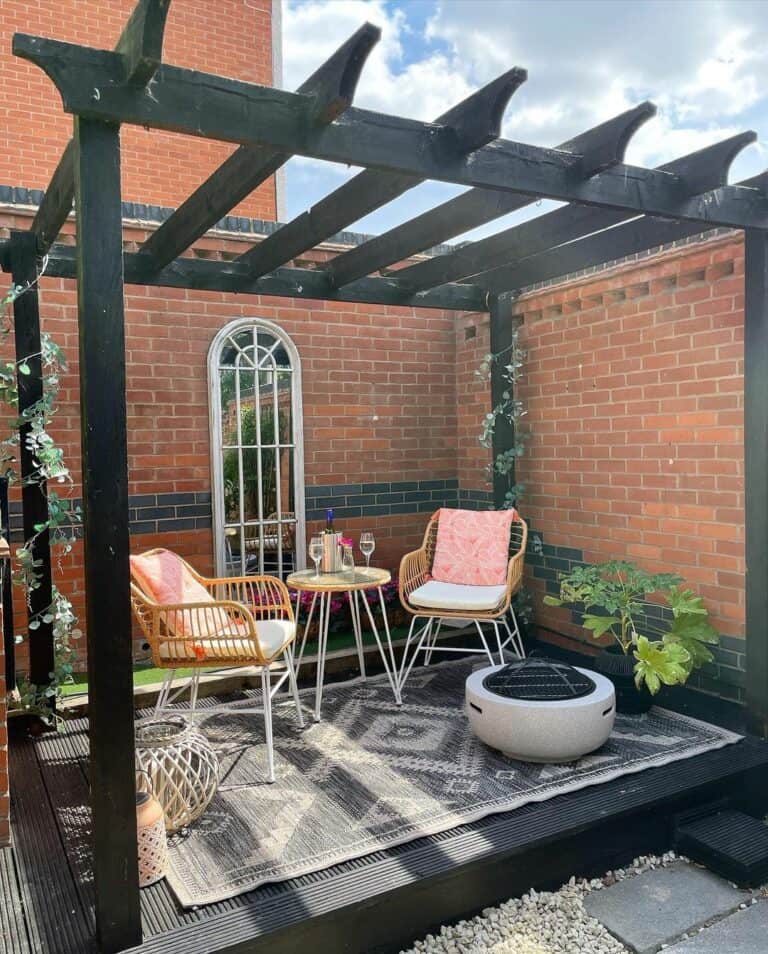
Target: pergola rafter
column 699, row 172
column 332, row 86
column 600, row 147
column 472, row 123
column 594, row 247
column 615, row 209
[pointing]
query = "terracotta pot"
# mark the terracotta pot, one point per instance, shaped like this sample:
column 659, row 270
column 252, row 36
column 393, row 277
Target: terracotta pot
column 620, row 669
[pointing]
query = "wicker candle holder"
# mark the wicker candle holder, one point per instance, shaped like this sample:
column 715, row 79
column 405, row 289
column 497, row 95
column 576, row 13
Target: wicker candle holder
column 182, row 767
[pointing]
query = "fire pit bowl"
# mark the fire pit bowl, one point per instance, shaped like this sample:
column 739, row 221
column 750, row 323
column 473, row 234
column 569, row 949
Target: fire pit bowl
column 540, row 710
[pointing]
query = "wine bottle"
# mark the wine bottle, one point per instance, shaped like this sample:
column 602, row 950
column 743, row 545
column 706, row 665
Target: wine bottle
column 329, row 521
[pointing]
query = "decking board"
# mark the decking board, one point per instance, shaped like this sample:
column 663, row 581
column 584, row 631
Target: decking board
column 13, row 928
column 374, row 903
column 56, row 921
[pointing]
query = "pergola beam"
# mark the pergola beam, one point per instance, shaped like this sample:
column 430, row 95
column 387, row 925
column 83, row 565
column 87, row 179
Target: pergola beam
column 304, row 283
column 471, row 124
column 597, row 148
column 609, row 245
column 332, row 86
column 140, row 49
column 91, row 85
column 699, row 171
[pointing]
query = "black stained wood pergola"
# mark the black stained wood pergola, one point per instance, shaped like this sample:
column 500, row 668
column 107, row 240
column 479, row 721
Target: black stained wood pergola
column 613, row 210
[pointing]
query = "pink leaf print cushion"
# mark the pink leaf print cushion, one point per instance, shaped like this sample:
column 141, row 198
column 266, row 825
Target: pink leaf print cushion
column 473, row 546
column 166, row 580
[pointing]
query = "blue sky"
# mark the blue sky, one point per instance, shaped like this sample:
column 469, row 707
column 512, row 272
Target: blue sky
column 703, row 62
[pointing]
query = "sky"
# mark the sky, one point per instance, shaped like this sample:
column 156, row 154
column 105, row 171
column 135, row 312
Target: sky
column 704, row 63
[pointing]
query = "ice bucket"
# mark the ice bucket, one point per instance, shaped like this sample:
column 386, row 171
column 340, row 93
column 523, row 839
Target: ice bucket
column 331, row 560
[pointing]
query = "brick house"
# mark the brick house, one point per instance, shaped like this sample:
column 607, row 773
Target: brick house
column 633, row 378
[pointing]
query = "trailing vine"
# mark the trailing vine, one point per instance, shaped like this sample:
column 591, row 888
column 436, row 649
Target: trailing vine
column 62, row 520
column 511, row 409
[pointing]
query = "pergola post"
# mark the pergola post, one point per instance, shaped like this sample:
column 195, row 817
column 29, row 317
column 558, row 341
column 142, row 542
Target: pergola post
column 23, row 257
column 502, row 329
column 105, row 517
column 756, row 473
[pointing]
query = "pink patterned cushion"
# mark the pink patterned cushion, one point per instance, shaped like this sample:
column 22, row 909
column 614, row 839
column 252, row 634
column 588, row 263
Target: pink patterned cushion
column 473, row 546
column 165, row 579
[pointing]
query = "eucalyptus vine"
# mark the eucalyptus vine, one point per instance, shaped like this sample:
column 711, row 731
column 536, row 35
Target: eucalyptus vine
column 512, row 409
column 509, row 408
column 63, row 518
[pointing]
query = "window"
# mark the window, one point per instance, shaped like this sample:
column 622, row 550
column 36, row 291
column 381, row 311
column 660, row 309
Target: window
column 254, row 379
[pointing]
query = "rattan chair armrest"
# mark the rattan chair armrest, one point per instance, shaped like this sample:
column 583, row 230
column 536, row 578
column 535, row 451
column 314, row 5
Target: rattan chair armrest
column 241, row 589
column 230, row 607
column 413, row 573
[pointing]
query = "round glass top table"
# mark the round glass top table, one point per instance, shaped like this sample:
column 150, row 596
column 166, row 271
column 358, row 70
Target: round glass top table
column 353, row 583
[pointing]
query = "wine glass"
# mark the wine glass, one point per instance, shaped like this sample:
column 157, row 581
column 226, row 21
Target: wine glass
column 367, row 546
column 316, row 553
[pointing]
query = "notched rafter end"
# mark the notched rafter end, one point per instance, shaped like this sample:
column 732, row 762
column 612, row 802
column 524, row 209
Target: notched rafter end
column 333, row 85
column 605, row 145
column 708, row 168
column 141, row 42
column 476, row 121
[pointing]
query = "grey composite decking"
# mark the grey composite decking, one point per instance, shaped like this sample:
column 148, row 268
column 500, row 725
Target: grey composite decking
column 375, row 903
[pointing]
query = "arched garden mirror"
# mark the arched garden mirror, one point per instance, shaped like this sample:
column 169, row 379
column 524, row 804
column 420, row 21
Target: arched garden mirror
column 257, row 459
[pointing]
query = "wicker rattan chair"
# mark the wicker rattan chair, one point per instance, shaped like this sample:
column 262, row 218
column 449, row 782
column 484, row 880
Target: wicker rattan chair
column 433, row 601
column 230, row 622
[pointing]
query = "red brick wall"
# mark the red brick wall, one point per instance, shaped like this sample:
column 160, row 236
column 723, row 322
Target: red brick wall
column 228, row 37
column 634, row 391
column 378, row 388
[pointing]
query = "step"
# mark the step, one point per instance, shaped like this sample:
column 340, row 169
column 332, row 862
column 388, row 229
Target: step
column 728, row 842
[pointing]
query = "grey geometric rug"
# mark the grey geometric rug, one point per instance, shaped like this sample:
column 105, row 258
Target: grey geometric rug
column 370, row 776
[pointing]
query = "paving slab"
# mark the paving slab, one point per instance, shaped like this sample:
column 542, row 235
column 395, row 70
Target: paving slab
column 660, row 905
column 744, row 932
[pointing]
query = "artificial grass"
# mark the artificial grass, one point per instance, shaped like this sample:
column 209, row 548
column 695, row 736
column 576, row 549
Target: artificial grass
column 146, row 675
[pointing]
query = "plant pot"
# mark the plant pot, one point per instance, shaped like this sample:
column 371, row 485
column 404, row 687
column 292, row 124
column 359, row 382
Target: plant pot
column 620, row 669
column 22, row 724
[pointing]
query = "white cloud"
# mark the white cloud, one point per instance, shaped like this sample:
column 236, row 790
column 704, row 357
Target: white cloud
column 703, row 62
column 419, row 90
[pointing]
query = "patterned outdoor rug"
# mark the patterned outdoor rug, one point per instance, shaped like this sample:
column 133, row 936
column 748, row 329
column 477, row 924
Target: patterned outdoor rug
column 371, row 776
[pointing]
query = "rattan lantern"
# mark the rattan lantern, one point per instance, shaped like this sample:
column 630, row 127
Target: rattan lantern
column 182, row 767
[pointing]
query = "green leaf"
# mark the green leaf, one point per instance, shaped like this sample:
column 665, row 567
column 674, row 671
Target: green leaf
column 600, row 625
column 684, row 602
column 24, row 368
column 659, row 662
column 553, row 601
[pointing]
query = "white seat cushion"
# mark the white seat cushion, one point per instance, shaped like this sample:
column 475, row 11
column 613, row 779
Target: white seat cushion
column 273, row 635
column 457, row 596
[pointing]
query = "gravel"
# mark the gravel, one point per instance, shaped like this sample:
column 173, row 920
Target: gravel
column 540, row 922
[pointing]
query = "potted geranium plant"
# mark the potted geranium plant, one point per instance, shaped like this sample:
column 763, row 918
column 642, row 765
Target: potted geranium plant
column 651, row 647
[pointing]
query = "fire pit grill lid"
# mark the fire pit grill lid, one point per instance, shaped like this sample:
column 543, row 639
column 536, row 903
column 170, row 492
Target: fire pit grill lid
column 539, row 679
